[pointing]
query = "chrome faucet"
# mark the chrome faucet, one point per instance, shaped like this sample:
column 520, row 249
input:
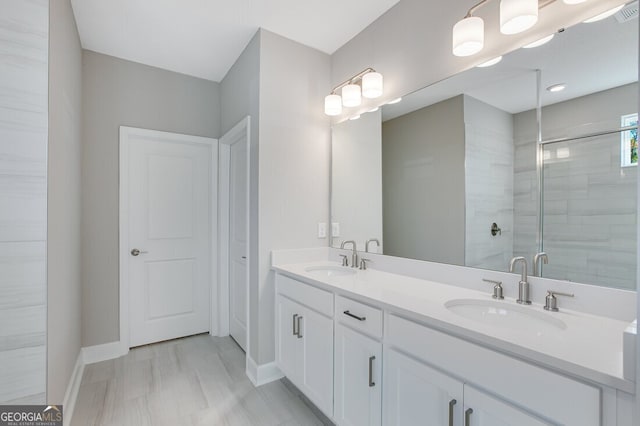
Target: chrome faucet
column 354, row 255
column 536, row 263
column 523, row 285
column 372, row 240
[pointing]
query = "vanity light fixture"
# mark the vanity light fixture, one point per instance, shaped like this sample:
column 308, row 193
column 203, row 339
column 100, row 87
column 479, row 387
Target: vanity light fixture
column 604, row 15
column 516, row 16
column 557, row 88
column 367, row 83
column 490, row 62
column 394, row 101
column 538, row 43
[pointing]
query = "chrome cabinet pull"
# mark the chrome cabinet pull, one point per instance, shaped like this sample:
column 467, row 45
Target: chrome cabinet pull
column 451, row 404
column 299, row 329
column 467, row 417
column 371, row 382
column 349, row 314
column 295, row 333
column 138, row 252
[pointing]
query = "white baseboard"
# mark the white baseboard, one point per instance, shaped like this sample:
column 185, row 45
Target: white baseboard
column 104, row 352
column 262, row 374
column 71, row 394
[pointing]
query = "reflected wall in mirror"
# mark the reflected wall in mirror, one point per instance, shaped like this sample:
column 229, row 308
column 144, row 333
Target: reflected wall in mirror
column 489, row 164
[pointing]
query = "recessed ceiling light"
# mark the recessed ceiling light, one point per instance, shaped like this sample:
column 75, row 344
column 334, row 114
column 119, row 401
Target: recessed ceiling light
column 557, row 87
column 490, row 62
column 355, row 117
column 540, row 42
column 394, row 101
column 604, row 15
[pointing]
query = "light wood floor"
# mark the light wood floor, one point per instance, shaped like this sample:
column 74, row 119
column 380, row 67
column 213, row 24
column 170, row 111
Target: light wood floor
column 198, row 380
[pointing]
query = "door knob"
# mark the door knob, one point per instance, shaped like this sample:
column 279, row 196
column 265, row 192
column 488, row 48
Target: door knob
column 136, row 252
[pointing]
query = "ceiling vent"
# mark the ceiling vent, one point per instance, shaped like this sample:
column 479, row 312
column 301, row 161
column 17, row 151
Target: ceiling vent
column 628, row 12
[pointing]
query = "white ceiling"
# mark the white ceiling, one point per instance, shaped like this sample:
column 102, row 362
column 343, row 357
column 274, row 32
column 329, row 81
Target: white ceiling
column 588, row 58
column 203, row 38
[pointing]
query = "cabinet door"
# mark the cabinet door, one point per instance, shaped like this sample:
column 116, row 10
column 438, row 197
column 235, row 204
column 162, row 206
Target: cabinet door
column 357, row 381
column 416, row 394
column 317, row 360
column 287, row 340
column 484, row 410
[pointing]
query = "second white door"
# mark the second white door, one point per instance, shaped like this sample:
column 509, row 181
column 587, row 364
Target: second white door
column 169, row 195
column 235, row 143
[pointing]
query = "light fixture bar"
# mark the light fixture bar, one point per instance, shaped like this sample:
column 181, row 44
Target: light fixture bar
column 352, row 79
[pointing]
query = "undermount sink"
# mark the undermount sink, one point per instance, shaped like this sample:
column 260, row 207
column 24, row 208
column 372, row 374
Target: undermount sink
column 503, row 314
column 329, row 271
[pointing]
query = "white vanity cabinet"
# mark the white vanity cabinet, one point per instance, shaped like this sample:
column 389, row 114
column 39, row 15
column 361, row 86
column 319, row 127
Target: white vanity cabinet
column 358, row 364
column 304, row 340
column 393, row 369
column 517, row 393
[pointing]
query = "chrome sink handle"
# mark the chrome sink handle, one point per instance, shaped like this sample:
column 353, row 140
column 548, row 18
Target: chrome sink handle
column 551, row 302
column 497, row 288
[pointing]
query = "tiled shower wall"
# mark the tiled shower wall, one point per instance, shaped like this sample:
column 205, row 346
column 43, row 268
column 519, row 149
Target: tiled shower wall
column 589, row 200
column 488, row 185
column 24, row 39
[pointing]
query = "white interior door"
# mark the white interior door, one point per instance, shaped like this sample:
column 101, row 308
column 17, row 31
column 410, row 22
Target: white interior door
column 238, row 235
column 169, row 233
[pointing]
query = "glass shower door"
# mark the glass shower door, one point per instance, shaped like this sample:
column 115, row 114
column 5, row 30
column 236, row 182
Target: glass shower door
column 589, row 203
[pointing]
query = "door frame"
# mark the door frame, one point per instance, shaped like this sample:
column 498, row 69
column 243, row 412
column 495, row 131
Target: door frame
column 123, row 222
column 242, row 128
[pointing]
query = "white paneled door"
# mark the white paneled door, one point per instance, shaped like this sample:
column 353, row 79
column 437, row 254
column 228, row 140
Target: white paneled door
column 169, row 234
column 234, row 157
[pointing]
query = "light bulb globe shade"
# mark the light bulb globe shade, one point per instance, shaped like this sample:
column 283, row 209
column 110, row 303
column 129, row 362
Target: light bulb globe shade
column 538, row 43
column 351, row 96
column 372, row 85
column 573, row 1
column 468, row 36
column 333, row 105
column 517, row 16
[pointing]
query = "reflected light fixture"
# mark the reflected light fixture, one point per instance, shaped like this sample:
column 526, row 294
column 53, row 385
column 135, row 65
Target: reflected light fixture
column 604, row 15
column 355, row 117
column 557, row 88
column 367, row 83
column 394, row 101
column 516, row 16
column 490, row 62
column 538, row 43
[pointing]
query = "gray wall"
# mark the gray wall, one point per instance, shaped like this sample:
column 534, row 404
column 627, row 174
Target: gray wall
column 240, row 95
column 114, row 93
column 294, row 169
column 23, row 199
column 590, row 201
column 423, row 155
column 63, row 274
column 488, row 185
column 356, row 173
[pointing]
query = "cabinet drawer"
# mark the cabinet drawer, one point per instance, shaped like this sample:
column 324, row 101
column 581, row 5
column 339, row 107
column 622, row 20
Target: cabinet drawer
column 359, row 316
column 532, row 388
column 312, row 297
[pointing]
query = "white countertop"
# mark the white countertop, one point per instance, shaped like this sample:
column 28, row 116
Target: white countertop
column 591, row 347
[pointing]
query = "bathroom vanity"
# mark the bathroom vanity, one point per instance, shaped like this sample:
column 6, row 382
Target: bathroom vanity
column 370, row 347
